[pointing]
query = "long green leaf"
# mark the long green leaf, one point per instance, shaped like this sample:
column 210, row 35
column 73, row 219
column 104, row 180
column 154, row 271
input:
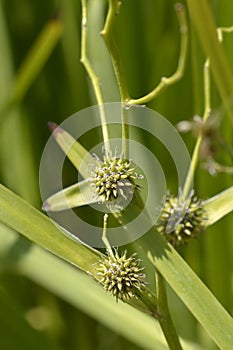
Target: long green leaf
column 87, row 295
column 17, row 167
column 36, row 58
column 190, row 289
column 219, row 206
column 82, row 292
column 34, row 225
column 22, row 217
column 5, row 59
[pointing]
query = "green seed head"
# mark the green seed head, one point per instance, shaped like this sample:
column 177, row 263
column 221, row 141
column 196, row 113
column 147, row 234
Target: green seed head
column 121, row 275
column 114, row 178
column 184, row 222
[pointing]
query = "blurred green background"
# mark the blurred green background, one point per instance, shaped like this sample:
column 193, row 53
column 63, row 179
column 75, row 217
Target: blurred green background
column 148, row 37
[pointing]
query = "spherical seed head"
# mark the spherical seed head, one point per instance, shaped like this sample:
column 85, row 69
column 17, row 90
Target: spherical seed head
column 114, row 178
column 121, row 275
column 188, row 221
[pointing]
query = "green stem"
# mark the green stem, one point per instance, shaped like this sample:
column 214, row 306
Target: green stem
column 104, row 237
column 124, row 133
column 195, row 156
column 207, row 110
column 164, row 318
column 167, row 81
column 107, row 34
column 148, row 299
column 94, row 79
column 203, row 21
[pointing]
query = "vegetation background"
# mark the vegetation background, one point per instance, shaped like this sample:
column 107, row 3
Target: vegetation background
column 32, row 309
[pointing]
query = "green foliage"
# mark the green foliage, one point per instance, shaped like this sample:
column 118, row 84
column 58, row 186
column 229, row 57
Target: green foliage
column 41, row 80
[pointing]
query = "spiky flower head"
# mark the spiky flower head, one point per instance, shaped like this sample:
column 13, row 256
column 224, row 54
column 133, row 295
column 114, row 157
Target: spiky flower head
column 180, row 222
column 121, row 275
column 113, row 178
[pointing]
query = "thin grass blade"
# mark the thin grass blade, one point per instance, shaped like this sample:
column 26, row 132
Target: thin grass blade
column 36, row 59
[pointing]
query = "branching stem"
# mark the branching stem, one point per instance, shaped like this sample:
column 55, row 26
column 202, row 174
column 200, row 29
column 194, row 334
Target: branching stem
column 107, row 34
column 166, row 81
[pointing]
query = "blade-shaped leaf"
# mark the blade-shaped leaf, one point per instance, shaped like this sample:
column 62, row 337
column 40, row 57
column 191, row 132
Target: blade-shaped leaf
column 22, row 217
column 36, row 58
column 31, row 223
column 73, row 150
column 219, row 206
column 190, row 289
column 76, row 195
column 83, row 293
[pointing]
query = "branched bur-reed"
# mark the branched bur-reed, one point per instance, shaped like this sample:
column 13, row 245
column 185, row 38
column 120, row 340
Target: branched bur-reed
column 178, row 222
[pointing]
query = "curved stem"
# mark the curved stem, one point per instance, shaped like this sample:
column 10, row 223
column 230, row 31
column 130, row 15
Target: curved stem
column 164, row 318
column 166, row 81
column 94, row 79
column 117, row 65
